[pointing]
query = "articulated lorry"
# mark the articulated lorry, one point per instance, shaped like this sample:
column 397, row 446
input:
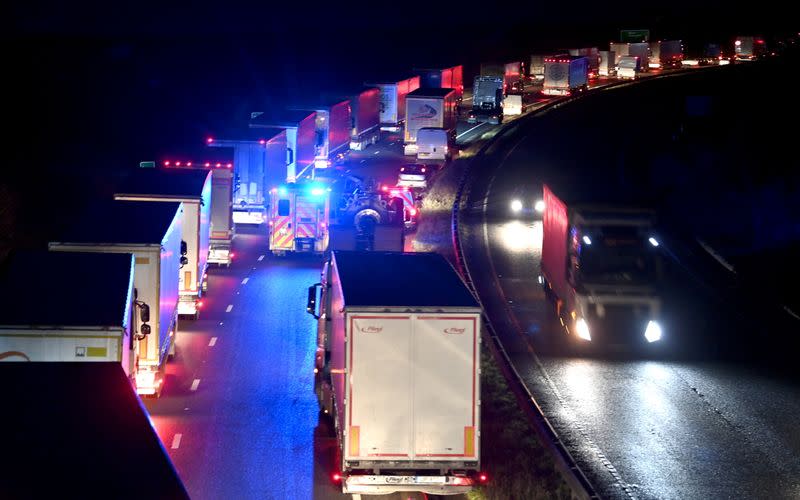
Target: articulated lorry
column 629, row 68
column 601, row 264
column 193, row 188
column 221, row 226
column 511, row 73
column 749, row 48
column 592, row 56
column 666, row 54
column 247, row 176
column 152, row 233
column 392, row 105
column 443, row 78
column 333, row 126
column 487, row 99
column 291, row 147
column 565, row 75
column 365, row 111
column 608, row 65
column 94, row 323
column 75, row 430
column 398, row 371
column 429, row 108
column 536, row 68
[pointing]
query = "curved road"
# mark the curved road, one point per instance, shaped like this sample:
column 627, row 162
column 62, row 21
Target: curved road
column 678, row 423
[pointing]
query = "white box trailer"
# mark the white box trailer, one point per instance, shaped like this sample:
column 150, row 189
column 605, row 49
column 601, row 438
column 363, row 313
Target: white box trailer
column 93, row 324
column 387, row 357
column 193, row 188
column 152, row 233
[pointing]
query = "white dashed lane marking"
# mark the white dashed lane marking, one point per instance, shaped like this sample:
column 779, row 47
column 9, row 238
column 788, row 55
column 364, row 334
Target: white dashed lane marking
column 212, row 342
column 176, row 441
column 229, row 308
column 195, row 383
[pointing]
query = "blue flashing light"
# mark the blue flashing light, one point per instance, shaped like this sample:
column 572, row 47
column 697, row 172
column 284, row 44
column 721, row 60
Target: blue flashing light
column 282, row 190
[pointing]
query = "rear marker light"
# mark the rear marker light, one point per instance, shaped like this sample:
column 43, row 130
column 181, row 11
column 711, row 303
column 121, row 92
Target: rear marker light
column 210, row 140
column 336, row 477
column 483, row 477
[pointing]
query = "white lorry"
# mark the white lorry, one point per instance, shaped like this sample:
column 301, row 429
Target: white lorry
column 564, row 75
column 94, row 324
column 629, row 68
column 193, row 188
column 387, row 356
column 608, row 64
column 152, row 233
column 428, row 108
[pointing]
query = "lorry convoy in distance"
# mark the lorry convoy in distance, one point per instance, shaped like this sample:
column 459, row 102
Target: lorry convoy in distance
column 385, row 358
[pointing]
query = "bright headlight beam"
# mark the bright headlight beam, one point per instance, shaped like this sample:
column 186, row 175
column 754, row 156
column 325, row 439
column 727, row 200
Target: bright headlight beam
column 653, row 331
column 516, row 206
column 539, row 207
column 582, row 329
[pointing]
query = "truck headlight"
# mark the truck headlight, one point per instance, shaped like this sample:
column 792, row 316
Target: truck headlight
column 653, row 331
column 582, row 328
column 516, row 206
column 539, row 207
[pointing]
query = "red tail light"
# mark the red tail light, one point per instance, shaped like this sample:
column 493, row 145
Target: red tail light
column 336, row 477
column 386, row 188
column 199, row 304
column 412, row 211
column 166, row 163
column 210, row 140
column 483, row 477
column 232, row 254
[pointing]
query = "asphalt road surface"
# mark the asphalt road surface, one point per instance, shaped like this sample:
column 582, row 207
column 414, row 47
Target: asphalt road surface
column 641, row 424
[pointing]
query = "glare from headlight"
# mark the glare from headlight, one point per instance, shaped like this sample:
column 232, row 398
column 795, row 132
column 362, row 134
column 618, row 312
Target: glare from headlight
column 516, row 206
column 582, row 329
column 539, row 207
column 653, row 331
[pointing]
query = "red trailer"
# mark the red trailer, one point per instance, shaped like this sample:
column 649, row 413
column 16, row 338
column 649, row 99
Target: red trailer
column 365, row 111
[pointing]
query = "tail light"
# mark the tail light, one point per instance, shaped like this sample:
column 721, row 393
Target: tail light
column 199, row 304
column 336, row 477
column 483, row 478
column 232, row 254
column 412, row 211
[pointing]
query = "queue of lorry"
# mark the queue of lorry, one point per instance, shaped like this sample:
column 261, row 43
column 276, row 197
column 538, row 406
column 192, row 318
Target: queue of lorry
column 138, row 263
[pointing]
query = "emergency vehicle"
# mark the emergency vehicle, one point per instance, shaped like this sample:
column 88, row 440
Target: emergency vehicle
column 299, row 217
column 406, row 194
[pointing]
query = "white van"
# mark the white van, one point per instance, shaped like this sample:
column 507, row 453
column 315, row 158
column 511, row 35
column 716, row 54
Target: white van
column 435, row 143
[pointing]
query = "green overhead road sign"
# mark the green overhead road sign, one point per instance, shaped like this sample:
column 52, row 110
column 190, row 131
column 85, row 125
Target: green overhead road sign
column 634, row 36
column 147, row 164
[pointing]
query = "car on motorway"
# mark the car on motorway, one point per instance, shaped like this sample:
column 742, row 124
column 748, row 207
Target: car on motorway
column 414, row 175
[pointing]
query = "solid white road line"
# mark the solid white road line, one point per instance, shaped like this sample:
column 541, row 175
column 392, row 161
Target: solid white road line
column 244, row 281
column 260, row 258
column 176, row 441
column 229, row 308
column 212, row 342
column 195, row 383
column 470, row 130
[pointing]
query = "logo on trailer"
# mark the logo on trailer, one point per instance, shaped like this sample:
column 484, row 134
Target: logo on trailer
column 454, row 331
column 425, row 111
column 371, row 329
